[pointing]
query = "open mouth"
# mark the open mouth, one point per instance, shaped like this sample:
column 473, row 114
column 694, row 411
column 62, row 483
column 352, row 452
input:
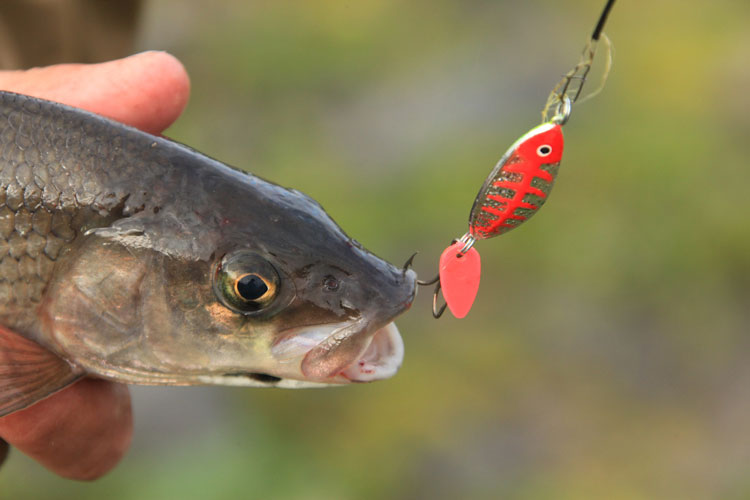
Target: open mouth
column 343, row 353
column 355, row 355
column 381, row 359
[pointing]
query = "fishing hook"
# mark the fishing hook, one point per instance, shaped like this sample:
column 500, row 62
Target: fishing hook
column 409, row 263
column 436, row 312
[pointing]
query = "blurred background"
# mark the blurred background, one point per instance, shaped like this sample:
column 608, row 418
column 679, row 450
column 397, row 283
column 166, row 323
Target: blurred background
column 607, row 355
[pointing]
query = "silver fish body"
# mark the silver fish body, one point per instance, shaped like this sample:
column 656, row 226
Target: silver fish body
column 134, row 258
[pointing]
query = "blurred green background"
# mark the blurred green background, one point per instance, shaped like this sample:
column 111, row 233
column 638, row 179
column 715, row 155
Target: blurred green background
column 608, row 352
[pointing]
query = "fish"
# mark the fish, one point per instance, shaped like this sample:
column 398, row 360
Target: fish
column 134, row 258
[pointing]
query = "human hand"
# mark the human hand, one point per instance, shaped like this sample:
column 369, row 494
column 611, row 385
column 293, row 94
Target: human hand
column 82, row 431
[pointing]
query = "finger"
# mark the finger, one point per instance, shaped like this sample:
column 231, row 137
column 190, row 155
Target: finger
column 147, row 90
column 79, row 433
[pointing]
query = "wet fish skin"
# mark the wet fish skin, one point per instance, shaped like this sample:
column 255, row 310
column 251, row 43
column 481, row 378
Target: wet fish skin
column 109, row 242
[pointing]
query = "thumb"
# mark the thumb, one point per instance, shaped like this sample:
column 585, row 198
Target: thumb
column 147, row 90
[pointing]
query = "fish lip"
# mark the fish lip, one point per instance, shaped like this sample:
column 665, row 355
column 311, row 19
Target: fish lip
column 341, row 353
column 356, row 353
column 381, row 359
column 295, row 343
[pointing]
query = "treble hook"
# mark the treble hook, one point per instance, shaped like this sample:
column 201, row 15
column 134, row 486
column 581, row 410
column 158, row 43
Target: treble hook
column 436, row 312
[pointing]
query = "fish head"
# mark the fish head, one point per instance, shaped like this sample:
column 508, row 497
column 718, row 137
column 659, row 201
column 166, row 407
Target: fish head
column 256, row 287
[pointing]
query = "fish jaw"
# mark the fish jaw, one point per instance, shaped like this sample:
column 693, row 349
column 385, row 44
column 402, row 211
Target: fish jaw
column 341, row 353
column 362, row 348
column 381, row 359
column 352, row 355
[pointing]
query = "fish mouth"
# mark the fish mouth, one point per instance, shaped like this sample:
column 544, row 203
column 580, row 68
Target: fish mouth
column 343, row 353
column 381, row 359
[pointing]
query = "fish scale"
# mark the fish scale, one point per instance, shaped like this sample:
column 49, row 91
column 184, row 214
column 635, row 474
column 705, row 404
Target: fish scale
column 40, row 214
column 61, row 173
column 32, row 239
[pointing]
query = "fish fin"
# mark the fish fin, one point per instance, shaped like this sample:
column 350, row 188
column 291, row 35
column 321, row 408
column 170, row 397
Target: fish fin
column 29, row 372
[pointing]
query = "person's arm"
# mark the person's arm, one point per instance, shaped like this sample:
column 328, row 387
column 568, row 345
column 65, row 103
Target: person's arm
column 84, row 430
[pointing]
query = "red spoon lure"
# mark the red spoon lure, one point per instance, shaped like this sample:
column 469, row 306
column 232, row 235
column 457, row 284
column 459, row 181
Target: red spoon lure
column 520, row 183
column 515, row 190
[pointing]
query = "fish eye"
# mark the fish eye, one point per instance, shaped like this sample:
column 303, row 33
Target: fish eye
column 544, row 150
column 330, row 283
column 251, row 286
column 245, row 282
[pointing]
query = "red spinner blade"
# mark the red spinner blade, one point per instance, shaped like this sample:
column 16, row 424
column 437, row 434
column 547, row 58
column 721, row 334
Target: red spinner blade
column 459, row 278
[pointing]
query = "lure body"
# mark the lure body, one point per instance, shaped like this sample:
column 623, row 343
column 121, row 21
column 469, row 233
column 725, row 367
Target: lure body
column 519, row 184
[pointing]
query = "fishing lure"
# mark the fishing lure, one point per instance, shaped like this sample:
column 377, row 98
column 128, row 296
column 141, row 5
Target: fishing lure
column 517, row 187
